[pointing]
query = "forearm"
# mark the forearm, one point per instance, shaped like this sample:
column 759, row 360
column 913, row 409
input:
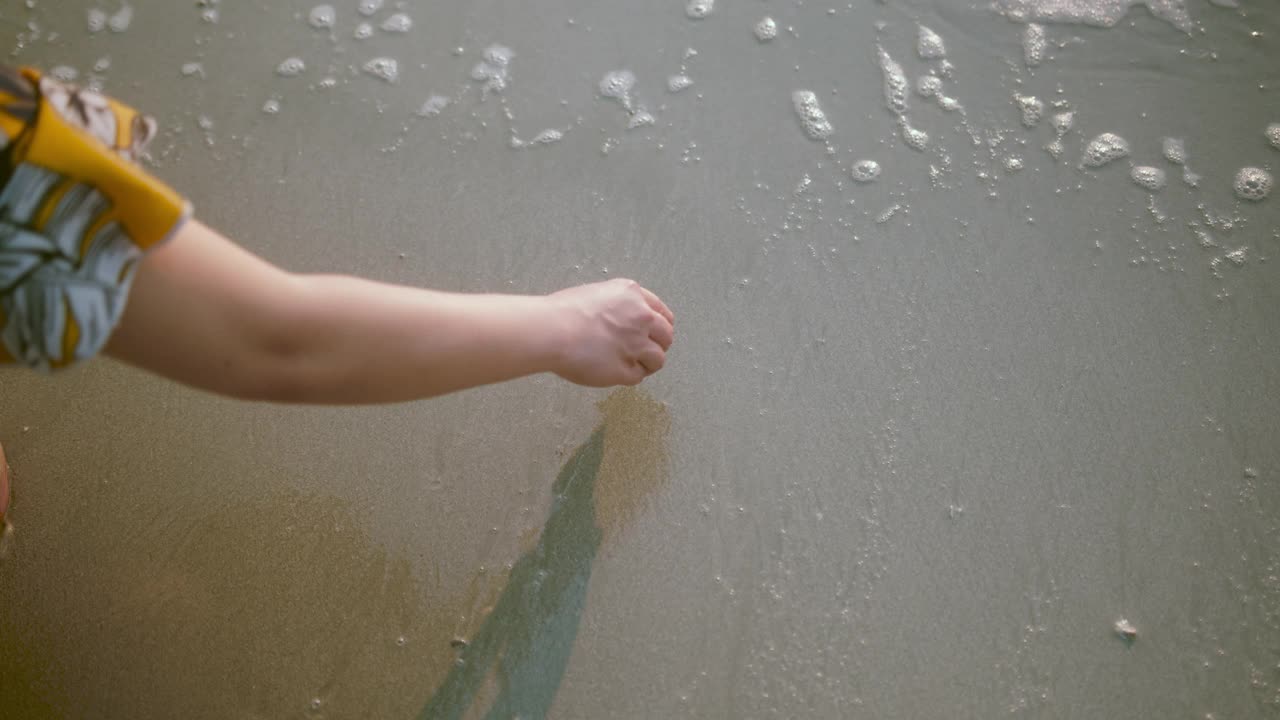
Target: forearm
column 356, row 341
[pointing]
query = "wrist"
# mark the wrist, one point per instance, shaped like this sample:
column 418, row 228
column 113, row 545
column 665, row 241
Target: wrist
column 551, row 333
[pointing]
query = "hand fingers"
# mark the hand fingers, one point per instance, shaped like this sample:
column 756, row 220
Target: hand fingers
column 658, row 306
column 661, row 332
column 652, row 359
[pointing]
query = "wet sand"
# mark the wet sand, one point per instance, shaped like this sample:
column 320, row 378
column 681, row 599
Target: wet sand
column 922, row 442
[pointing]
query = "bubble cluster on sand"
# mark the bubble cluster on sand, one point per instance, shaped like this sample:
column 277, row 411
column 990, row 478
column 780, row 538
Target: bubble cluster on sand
column 896, row 86
column 384, row 68
column 617, row 85
column 291, row 67
column 640, row 118
column 812, row 118
column 1253, row 184
column 271, row 107
column 322, row 17
column 1099, row 13
column 1062, row 122
column 363, row 31
column 1032, row 109
column 1013, row 163
column 1034, row 44
column 929, row 86
column 369, row 7
column 676, row 83
column 1152, row 179
column 865, row 171
column 96, row 19
column 913, row 138
column 64, row 73
column 1104, row 149
column 493, row 67
column 397, row 23
column 929, row 44
column 433, row 106
column 766, row 29
column 1174, row 150
column 1273, row 135
column 547, row 137
column 698, row 9
column 120, row 21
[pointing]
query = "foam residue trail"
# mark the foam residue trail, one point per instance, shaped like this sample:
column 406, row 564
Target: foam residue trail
column 812, row 118
column 492, row 69
column 1034, row 44
column 929, row 44
column 1099, row 13
column 896, row 86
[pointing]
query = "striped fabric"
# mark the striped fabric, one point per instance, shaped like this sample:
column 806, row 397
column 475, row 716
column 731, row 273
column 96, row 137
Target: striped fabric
column 76, row 215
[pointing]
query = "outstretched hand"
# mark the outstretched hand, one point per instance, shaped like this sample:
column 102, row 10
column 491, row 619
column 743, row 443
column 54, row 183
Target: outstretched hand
column 615, row 333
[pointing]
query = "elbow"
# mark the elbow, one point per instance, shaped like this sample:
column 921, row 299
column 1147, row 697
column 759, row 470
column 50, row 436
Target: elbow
column 277, row 358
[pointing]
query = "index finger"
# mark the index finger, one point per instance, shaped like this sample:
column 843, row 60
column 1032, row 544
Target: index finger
column 658, row 306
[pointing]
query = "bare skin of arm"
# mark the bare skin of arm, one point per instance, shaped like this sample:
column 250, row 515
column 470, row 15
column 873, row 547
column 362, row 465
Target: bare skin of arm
column 207, row 313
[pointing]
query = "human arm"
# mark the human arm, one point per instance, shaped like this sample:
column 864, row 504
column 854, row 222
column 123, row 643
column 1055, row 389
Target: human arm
column 208, row 313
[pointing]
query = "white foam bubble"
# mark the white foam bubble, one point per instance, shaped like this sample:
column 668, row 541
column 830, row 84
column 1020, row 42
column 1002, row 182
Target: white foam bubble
column 493, row 68
column 102, row 65
column 949, row 104
column 363, row 31
column 1056, row 148
column 1273, row 135
column 1104, row 149
column 397, row 23
column 913, row 138
column 1174, row 150
column 766, row 29
column 640, row 118
column 384, row 68
column 1013, row 163
column 322, row 17
column 96, row 19
column 1062, row 122
column 1032, row 109
column 865, row 171
column 812, row 118
column 617, row 85
column 928, row 85
column 64, row 73
column 192, row 68
column 433, row 106
column 1034, row 44
column 676, row 83
column 929, row 44
column 547, row 137
column 271, row 107
column 1152, row 179
column 698, row 9
column 1253, row 184
column 1099, row 13
column 896, row 87
column 291, row 67
column 369, row 7
column 120, row 21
